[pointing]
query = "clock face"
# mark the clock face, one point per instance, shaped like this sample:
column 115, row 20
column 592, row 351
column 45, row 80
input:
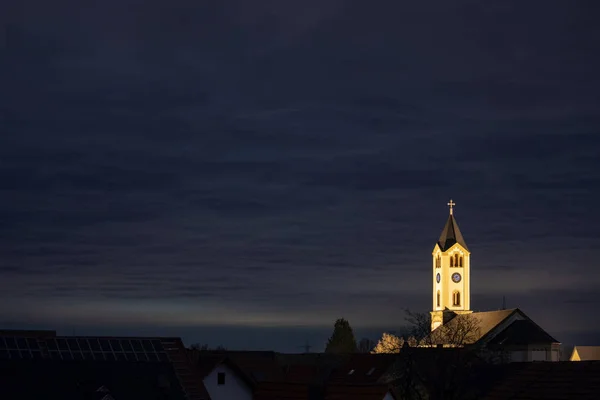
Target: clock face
column 437, row 278
column 456, row 277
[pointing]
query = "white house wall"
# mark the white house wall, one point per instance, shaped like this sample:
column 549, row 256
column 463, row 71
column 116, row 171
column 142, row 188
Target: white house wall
column 233, row 389
column 388, row 396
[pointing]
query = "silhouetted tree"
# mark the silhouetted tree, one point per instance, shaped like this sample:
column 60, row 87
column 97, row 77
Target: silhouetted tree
column 204, row 347
column 432, row 372
column 342, row 339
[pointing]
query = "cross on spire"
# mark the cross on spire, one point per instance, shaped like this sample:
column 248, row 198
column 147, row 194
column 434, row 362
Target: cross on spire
column 451, row 204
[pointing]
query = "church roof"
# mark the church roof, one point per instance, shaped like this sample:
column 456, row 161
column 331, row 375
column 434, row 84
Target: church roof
column 451, row 235
column 522, row 330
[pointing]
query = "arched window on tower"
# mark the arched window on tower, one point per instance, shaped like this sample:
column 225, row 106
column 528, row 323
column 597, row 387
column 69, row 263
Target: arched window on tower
column 451, row 261
column 456, row 298
column 460, row 261
column 438, row 298
column 438, row 262
column 456, row 260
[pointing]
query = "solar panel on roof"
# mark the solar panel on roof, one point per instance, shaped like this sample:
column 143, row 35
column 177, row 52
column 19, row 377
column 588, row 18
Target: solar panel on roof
column 104, row 345
column 116, row 345
column 73, row 346
column 147, row 345
column 10, row 343
column 126, row 345
column 21, row 343
column 157, row 345
column 62, row 344
column 94, row 345
column 83, row 344
column 33, row 344
column 137, row 346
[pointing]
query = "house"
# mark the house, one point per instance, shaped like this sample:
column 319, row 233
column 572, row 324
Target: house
column 358, row 392
column 287, row 391
column 546, row 381
column 47, row 345
column 585, row 353
column 509, row 333
column 300, row 391
column 84, row 379
column 234, row 375
column 363, row 369
column 312, row 368
column 248, row 375
column 435, row 372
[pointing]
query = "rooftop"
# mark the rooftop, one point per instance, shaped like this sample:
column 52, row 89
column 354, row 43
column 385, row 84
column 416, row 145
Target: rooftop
column 451, row 235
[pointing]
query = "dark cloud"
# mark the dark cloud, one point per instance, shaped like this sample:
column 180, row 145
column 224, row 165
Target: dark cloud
column 285, row 163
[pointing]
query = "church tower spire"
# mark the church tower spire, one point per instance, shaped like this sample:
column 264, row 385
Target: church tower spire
column 451, row 273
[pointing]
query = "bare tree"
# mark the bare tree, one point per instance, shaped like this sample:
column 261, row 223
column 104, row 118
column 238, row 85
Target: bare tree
column 442, row 364
column 204, row 347
column 389, row 343
column 460, row 330
column 365, row 345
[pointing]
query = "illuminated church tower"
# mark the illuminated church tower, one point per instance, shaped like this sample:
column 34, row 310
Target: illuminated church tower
column 451, row 273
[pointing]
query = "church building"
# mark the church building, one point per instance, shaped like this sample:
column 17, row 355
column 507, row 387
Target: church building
column 508, row 331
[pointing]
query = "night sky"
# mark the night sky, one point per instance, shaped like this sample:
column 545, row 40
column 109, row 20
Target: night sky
column 245, row 172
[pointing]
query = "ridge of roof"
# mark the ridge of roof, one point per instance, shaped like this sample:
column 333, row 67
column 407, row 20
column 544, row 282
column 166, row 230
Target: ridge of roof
column 451, row 235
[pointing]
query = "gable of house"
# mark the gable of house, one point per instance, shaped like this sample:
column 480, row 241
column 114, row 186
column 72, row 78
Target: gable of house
column 225, row 382
column 585, row 353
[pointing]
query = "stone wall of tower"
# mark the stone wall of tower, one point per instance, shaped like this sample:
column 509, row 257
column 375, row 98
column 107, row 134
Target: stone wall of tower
column 456, row 260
